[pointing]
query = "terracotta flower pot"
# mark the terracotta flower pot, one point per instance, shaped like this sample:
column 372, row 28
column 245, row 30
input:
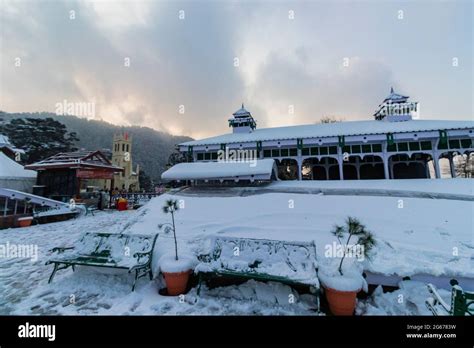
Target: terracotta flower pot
column 25, row 222
column 341, row 302
column 176, row 282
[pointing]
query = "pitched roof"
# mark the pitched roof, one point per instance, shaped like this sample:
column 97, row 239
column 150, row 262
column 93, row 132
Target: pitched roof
column 395, row 97
column 77, row 158
column 323, row 130
column 242, row 112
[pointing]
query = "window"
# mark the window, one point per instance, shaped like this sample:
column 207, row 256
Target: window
column 123, row 147
column 293, row 152
column 207, row 156
column 323, row 150
column 366, row 148
column 376, row 147
column 425, row 145
column 305, row 151
column 466, row 143
column 414, row 146
column 392, row 148
column 127, row 147
column 200, row 156
column 402, row 146
column 454, row 144
column 275, row 153
column 333, row 150
column 355, row 148
column 267, row 153
column 346, row 149
column 314, row 151
column 284, row 152
column 214, row 155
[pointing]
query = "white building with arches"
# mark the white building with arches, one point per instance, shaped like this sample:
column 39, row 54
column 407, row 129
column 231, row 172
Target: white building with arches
column 396, row 144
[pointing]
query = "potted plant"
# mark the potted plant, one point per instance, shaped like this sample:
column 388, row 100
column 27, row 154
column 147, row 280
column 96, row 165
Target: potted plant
column 175, row 270
column 344, row 282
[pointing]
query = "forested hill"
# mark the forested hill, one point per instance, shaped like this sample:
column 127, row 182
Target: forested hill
column 150, row 149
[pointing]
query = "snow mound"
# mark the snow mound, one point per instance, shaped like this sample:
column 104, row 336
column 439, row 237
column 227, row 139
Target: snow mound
column 296, row 261
column 347, row 282
column 168, row 264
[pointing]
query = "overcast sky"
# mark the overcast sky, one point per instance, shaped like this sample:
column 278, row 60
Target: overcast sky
column 290, row 55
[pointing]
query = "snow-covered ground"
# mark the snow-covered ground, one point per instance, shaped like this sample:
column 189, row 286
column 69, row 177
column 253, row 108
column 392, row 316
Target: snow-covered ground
column 430, row 236
column 458, row 186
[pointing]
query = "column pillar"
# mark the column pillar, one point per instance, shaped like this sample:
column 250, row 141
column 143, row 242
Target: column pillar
column 357, row 164
column 427, row 169
column 340, row 162
column 436, row 167
column 300, row 163
column 385, row 158
column 451, row 165
column 435, row 155
column 385, row 167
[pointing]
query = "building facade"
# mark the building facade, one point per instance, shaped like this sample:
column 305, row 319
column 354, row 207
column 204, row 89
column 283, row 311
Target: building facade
column 122, row 157
column 396, row 144
column 69, row 174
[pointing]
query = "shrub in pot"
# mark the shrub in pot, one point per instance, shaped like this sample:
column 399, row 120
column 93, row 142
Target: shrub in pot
column 343, row 283
column 176, row 270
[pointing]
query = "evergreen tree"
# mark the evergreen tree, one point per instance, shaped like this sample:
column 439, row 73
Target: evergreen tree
column 40, row 138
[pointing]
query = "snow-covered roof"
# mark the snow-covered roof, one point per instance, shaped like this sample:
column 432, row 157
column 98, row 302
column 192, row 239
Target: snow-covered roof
column 395, row 97
column 333, row 129
column 11, row 169
column 5, row 143
column 258, row 170
column 242, row 112
column 77, row 158
column 4, row 140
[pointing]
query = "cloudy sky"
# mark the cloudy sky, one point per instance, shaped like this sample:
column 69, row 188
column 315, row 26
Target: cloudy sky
column 184, row 67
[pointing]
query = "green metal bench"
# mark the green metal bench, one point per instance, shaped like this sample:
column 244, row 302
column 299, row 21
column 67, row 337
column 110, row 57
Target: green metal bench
column 291, row 263
column 132, row 252
column 462, row 302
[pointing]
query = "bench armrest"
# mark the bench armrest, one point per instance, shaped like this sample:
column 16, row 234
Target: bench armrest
column 139, row 255
column 437, row 298
column 60, row 250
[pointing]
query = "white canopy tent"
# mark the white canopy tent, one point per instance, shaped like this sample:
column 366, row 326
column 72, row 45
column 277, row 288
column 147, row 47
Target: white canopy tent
column 14, row 176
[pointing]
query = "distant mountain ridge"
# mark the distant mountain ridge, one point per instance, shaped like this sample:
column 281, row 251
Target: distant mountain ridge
column 151, row 148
